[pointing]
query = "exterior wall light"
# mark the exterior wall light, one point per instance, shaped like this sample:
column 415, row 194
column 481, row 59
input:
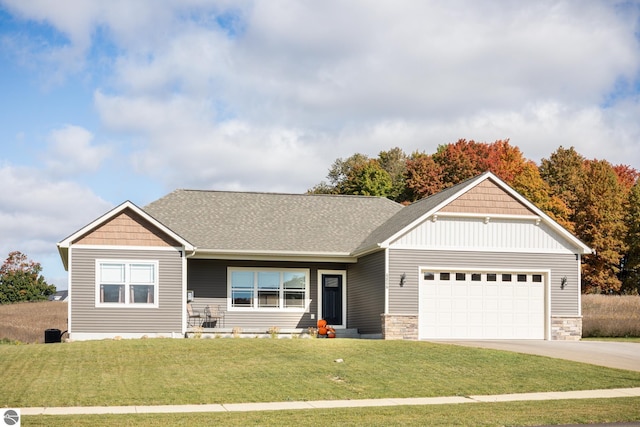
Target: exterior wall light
column 403, row 278
column 563, row 282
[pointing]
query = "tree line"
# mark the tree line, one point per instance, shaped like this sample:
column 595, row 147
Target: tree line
column 597, row 201
column 20, row 280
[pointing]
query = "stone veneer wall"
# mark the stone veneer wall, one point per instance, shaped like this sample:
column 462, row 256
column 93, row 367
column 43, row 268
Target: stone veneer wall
column 400, row 326
column 566, row 328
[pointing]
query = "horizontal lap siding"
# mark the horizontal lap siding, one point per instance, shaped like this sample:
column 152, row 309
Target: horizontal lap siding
column 86, row 317
column 208, row 280
column 404, row 299
column 365, row 294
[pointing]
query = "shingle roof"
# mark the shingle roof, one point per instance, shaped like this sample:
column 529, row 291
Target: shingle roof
column 268, row 222
column 411, row 213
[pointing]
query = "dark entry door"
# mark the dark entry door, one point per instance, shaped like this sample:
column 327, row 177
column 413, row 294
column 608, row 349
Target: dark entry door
column 332, row 299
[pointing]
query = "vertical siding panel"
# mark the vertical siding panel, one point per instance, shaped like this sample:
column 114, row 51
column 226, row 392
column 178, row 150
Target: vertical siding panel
column 365, row 293
column 404, row 300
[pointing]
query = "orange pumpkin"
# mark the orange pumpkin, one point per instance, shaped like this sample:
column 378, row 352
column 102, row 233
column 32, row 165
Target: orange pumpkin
column 322, row 323
column 322, row 330
column 331, row 334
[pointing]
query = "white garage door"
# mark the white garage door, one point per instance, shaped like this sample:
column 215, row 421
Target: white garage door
column 467, row 305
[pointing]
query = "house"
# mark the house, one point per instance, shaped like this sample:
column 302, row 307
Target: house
column 476, row 261
column 61, row 296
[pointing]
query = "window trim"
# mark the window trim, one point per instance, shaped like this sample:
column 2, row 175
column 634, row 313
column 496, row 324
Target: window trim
column 127, row 283
column 281, row 290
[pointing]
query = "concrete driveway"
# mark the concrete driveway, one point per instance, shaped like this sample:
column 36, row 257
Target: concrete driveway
column 621, row 355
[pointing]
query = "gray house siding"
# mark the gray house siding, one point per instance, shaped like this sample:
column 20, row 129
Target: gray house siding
column 365, row 293
column 87, row 318
column 208, row 280
column 404, row 299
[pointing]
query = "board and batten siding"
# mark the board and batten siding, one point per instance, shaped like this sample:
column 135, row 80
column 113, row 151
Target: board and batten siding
column 365, row 293
column 87, row 318
column 208, row 280
column 474, row 233
column 404, row 299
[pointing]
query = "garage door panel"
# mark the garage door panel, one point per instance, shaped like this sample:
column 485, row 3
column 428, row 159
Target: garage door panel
column 469, row 306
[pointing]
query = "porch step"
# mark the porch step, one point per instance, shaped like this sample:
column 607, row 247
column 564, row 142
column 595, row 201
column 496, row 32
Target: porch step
column 347, row 333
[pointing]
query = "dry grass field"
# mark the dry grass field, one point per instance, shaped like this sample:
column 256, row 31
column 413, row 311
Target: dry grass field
column 604, row 316
column 25, row 322
column 610, row 316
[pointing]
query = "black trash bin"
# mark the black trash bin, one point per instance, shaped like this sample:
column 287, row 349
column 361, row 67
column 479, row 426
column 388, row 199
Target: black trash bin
column 52, row 335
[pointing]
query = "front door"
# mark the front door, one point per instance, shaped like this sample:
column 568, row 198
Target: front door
column 332, row 299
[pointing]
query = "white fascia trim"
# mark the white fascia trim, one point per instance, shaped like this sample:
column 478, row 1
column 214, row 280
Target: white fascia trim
column 64, row 244
column 584, row 249
column 341, row 257
column 427, row 214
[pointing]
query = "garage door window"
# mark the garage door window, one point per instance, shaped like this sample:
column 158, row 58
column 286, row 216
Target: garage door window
column 476, row 277
column 506, row 277
column 444, row 276
column 522, row 277
column 537, row 278
column 429, row 275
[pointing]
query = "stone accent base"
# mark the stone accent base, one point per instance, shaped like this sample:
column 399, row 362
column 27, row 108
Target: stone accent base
column 399, row 326
column 566, row 328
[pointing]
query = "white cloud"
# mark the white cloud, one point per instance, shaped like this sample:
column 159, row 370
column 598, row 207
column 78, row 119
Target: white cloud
column 36, row 213
column 297, row 84
column 71, row 151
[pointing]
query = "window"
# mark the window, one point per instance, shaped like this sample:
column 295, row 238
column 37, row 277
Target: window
column 461, row 276
column 268, row 289
column 126, row 283
column 476, row 277
column 491, row 277
column 522, row 277
column 536, row 278
column 444, row 276
column 429, row 275
column 506, row 277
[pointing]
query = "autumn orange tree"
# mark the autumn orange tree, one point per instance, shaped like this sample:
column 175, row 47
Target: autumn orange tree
column 595, row 200
column 599, row 222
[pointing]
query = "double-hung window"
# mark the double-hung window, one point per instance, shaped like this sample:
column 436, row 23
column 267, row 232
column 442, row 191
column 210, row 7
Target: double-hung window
column 268, row 288
column 126, row 283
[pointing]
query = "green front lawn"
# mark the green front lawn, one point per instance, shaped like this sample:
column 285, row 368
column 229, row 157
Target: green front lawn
column 170, row 371
column 476, row 414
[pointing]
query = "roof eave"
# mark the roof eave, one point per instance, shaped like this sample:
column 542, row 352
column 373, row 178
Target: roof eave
column 272, row 255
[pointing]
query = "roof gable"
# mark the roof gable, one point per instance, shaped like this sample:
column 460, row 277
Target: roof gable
column 484, row 195
column 126, row 217
column 487, row 198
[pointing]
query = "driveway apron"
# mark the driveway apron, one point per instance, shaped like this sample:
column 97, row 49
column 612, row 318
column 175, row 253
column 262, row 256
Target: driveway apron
column 621, row 355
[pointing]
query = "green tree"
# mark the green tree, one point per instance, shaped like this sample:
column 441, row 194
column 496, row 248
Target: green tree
column 20, row 280
column 564, row 171
column 368, row 179
column 339, row 174
column 394, row 162
column 600, row 223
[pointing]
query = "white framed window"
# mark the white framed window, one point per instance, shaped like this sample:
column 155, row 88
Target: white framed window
column 126, row 283
column 268, row 289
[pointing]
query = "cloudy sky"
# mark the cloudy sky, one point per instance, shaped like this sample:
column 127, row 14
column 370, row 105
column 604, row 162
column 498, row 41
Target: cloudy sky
column 107, row 101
